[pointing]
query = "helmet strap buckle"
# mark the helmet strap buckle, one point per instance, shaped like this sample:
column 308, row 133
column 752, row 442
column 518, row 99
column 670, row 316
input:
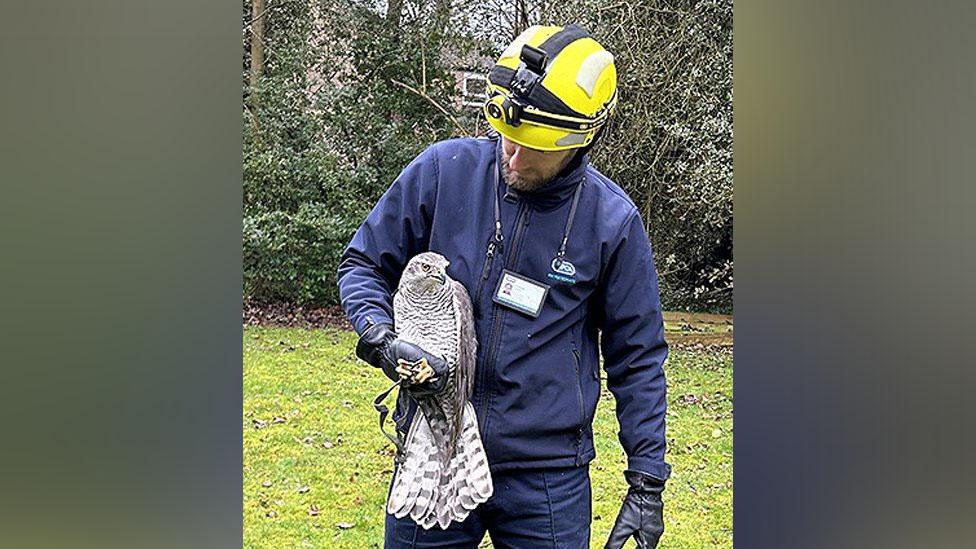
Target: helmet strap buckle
column 524, row 81
column 530, row 71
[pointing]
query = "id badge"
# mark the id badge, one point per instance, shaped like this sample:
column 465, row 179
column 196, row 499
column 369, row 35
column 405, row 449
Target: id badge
column 520, row 293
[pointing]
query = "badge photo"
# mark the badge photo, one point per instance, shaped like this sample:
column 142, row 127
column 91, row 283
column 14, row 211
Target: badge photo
column 520, row 293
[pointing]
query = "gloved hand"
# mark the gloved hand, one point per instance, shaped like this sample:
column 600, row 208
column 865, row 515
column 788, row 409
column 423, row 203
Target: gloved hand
column 380, row 347
column 641, row 514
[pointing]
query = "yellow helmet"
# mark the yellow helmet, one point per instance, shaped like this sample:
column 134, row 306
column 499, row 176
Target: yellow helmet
column 552, row 89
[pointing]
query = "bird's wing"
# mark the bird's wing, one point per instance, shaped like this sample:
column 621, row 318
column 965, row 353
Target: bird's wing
column 398, row 309
column 467, row 344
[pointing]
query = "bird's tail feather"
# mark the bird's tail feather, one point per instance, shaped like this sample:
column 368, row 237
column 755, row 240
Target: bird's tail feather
column 432, row 493
column 415, row 487
column 468, row 480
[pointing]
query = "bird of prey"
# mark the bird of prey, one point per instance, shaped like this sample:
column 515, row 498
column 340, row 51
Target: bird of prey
column 444, row 474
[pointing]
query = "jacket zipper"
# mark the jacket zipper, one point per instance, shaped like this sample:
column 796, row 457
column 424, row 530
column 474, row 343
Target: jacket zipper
column 498, row 315
column 486, row 271
column 579, row 387
column 582, row 412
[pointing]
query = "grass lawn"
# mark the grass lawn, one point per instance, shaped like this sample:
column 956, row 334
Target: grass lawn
column 316, row 468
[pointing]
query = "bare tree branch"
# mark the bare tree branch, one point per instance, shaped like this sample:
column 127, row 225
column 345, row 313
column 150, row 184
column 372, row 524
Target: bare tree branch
column 457, row 124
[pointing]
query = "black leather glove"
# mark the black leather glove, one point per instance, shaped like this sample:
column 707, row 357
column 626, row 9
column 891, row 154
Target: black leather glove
column 380, row 347
column 642, row 513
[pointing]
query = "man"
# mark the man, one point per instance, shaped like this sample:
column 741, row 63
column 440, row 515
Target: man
column 526, row 211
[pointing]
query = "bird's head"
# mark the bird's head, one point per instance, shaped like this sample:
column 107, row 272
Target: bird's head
column 425, row 272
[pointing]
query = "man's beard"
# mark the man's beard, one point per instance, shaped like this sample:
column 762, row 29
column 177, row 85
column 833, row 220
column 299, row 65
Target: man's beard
column 521, row 184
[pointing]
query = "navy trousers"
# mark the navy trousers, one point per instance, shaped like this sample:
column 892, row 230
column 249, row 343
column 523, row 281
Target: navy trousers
column 528, row 509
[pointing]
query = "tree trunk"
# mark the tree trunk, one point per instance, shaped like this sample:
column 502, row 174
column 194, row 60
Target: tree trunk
column 393, row 12
column 257, row 50
column 442, row 15
column 521, row 16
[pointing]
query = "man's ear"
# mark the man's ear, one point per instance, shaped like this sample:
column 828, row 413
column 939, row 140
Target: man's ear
column 596, row 138
column 570, row 158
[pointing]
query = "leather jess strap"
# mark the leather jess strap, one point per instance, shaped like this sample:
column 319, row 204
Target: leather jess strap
column 384, row 411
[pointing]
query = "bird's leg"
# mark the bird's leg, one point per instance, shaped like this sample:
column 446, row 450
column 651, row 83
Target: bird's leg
column 415, row 372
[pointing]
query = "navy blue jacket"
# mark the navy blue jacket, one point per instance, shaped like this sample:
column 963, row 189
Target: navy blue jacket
column 537, row 381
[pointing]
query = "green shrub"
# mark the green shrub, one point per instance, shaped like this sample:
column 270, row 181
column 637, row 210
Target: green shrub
column 333, row 128
column 291, row 256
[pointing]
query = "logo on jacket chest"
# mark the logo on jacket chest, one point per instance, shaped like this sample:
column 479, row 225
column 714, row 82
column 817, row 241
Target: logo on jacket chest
column 562, row 271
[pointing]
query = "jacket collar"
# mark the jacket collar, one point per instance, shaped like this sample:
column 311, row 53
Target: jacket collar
column 555, row 192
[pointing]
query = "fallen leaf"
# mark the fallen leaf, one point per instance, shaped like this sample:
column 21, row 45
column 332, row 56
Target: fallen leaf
column 345, row 525
column 266, row 484
column 327, row 444
column 303, row 490
column 313, row 510
column 716, row 433
column 278, row 420
column 260, row 424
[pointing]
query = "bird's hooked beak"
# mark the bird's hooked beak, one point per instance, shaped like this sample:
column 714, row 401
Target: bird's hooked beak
column 440, row 278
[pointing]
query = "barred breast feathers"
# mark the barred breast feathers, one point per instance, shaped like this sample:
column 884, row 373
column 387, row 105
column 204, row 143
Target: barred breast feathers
column 425, row 320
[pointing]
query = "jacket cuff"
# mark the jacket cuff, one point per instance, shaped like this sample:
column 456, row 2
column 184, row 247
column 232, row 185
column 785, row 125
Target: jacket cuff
column 656, row 469
column 369, row 320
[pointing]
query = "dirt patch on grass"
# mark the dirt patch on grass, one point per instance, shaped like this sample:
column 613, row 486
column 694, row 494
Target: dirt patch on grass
column 682, row 329
column 284, row 315
column 698, row 318
column 682, row 340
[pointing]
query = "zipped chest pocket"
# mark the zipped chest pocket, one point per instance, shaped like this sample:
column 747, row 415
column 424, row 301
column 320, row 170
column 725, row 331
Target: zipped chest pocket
column 579, row 387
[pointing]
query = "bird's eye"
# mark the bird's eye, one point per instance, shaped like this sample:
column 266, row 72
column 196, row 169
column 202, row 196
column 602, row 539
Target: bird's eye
column 425, row 267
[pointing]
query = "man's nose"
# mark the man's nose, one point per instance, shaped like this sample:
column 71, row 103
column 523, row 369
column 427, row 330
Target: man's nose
column 519, row 159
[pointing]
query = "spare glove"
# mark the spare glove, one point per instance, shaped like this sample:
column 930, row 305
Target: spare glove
column 641, row 514
column 380, row 347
